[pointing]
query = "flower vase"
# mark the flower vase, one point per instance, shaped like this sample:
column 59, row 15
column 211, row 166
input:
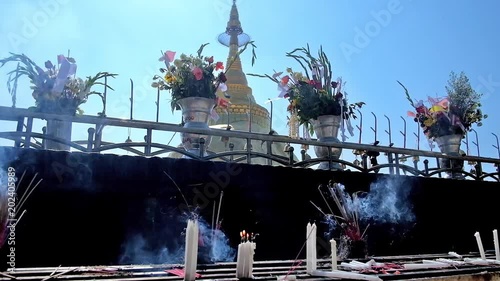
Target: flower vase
column 293, row 125
column 58, row 129
column 326, row 128
column 195, row 114
column 450, row 145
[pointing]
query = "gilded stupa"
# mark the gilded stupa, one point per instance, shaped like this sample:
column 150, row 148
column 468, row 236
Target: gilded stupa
column 243, row 114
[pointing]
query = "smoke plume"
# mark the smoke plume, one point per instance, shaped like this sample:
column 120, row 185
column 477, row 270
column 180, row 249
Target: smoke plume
column 213, row 245
column 387, row 202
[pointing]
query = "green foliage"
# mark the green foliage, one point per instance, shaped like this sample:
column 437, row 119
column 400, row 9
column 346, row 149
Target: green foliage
column 465, row 102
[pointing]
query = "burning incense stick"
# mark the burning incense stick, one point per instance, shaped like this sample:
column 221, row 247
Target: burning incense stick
column 28, row 192
column 324, row 199
column 213, row 216
column 364, row 232
column 55, row 270
column 318, row 208
column 340, row 206
column 218, row 211
column 59, row 274
column 179, row 189
column 8, row 217
column 295, row 262
column 20, row 180
column 325, row 214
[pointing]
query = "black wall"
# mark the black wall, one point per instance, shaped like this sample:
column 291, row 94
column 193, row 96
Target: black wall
column 89, row 207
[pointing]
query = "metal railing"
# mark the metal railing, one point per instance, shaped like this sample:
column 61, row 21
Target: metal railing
column 395, row 158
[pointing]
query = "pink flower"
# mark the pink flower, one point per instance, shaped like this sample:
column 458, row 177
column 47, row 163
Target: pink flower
column 285, row 80
column 223, row 103
column 198, row 73
column 168, row 57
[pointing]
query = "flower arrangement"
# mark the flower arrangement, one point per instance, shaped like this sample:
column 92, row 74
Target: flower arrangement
column 194, row 76
column 55, row 89
column 450, row 115
column 314, row 93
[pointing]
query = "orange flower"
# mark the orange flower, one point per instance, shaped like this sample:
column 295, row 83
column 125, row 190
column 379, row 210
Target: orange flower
column 219, row 65
column 198, row 73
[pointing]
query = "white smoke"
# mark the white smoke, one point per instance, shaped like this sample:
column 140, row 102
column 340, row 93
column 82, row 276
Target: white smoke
column 387, row 202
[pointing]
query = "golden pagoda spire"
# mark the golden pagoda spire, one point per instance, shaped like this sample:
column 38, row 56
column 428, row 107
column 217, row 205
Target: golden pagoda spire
column 234, row 38
column 243, row 108
column 234, row 29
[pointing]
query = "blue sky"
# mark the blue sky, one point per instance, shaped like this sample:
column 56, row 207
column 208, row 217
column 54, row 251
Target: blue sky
column 371, row 45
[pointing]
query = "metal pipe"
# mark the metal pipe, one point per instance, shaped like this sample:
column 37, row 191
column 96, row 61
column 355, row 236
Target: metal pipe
column 249, row 114
column 418, row 136
column 375, row 129
column 389, row 132
column 497, row 146
column 404, row 132
column 105, row 94
column 132, row 100
column 158, row 105
column 476, row 143
column 271, row 116
column 360, row 126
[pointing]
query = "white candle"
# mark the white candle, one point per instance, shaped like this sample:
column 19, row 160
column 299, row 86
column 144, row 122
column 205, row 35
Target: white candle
column 308, row 249
column 244, row 257
column 495, row 240
column 239, row 260
column 191, row 254
column 334, row 254
column 311, row 255
column 251, row 252
column 480, row 245
column 244, row 262
column 314, row 252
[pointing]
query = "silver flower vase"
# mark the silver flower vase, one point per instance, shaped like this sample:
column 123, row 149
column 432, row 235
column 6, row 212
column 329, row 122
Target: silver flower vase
column 195, row 114
column 58, row 129
column 326, row 128
column 450, row 145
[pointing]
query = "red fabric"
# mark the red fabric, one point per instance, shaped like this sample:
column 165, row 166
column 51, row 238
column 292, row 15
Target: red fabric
column 179, row 272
